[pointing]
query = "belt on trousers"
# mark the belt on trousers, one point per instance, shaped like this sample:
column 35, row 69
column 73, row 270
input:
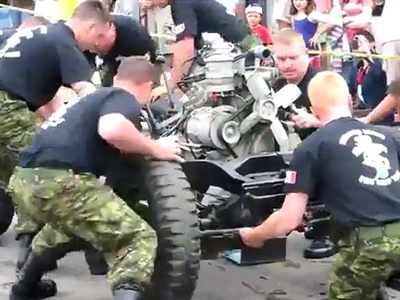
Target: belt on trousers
column 374, row 232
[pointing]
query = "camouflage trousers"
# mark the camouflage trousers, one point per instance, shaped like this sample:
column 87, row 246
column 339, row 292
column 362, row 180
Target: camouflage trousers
column 367, row 257
column 73, row 206
column 17, row 124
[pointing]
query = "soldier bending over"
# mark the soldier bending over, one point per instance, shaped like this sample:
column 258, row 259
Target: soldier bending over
column 57, row 184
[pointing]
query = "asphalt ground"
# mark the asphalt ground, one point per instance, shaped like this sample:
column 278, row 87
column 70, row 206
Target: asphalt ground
column 295, row 279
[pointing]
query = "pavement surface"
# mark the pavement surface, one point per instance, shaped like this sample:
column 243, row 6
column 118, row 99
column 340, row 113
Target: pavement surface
column 295, row 279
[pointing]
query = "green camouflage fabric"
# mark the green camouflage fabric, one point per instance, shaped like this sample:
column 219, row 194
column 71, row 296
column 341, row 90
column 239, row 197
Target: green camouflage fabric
column 17, row 124
column 74, row 205
column 250, row 41
column 107, row 73
column 366, row 259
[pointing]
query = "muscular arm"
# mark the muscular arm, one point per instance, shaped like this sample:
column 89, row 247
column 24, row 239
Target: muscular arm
column 383, row 109
column 286, row 219
column 182, row 52
column 388, row 104
column 119, row 132
column 83, row 88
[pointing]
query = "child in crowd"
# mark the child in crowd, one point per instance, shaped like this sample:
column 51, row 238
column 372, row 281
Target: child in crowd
column 305, row 20
column 254, row 16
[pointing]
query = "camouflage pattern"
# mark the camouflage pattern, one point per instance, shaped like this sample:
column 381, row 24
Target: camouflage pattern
column 17, row 124
column 74, row 205
column 107, row 73
column 366, row 259
column 250, row 41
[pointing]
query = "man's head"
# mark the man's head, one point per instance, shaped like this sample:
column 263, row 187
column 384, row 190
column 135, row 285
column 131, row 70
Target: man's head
column 33, row 22
column 291, row 55
column 363, row 42
column 253, row 15
column 135, row 74
column 91, row 24
column 149, row 4
column 329, row 96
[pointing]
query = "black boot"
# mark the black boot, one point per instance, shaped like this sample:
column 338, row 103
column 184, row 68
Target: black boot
column 320, row 248
column 125, row 294
column 31, row 285
column 96, row 262
column 24, row 249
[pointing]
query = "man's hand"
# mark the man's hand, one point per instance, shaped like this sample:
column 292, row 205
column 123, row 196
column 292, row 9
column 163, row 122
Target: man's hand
column 158, row 93
column 364, row 120
column 168, row 149
column 305, row 120
column 251, row 237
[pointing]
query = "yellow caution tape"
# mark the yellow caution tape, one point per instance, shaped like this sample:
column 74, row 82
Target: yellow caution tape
column 170, row 37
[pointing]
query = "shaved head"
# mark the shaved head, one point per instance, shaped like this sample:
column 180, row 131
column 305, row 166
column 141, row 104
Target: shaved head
column 328, row 91
column 136, row 68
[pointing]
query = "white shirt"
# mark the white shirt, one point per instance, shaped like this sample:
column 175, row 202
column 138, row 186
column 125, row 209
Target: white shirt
column 389, row 22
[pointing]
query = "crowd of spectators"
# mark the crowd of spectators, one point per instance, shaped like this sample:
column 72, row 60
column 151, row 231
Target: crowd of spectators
column 348, row 26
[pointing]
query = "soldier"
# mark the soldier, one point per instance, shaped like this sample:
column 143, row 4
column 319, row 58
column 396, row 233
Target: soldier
column 129, row 39
column 191, row 19
column 56, row 183
column 27, row 23
column 34, row 63
column 354, row 168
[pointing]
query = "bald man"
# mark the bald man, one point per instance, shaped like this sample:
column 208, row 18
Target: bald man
column 354, row 169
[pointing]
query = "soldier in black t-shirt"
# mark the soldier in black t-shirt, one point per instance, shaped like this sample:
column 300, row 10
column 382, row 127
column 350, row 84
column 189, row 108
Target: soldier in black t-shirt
column 191, row 19
column 354, row 168
column 293, row 62
column 57, row 184
column 27, row 23
column 130, row 39
column 34, row 64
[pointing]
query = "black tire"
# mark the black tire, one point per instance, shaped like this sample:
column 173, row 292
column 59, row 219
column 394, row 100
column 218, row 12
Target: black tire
column 6, row 211
column 174, row 217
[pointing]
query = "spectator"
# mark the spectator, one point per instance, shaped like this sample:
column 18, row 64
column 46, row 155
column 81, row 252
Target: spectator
column 305, row 20
column 254, row 17
column 389, row 37
column 358, row 16
column 371, row 78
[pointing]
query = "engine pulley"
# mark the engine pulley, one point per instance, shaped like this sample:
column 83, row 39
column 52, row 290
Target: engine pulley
column 211, row 127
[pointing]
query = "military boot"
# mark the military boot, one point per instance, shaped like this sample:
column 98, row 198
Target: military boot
column 320, row 248
column 125, row 294
column 31, row 285
column 96, row 262
column 24, row 249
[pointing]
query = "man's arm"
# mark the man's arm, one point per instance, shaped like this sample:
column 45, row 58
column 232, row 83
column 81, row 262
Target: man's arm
column 116, row 126
column 118, row 131
column 387, row 105
column 300, row 183
column 83, row 88
column 74, row 68
column 361, row 20
column 185, row 20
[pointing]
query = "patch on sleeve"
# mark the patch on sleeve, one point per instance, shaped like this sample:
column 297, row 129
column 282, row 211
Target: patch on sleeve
column 290, row 177
column 178, row 29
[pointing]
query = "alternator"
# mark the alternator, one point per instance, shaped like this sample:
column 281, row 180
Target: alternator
column 210, row 127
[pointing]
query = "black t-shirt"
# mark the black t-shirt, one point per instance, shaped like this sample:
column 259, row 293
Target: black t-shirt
column 131, row 39
column 6, row 33
column 70, row 139
column 192, row 18
column 353, row 168
column 35, row 62
column 303, row 101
